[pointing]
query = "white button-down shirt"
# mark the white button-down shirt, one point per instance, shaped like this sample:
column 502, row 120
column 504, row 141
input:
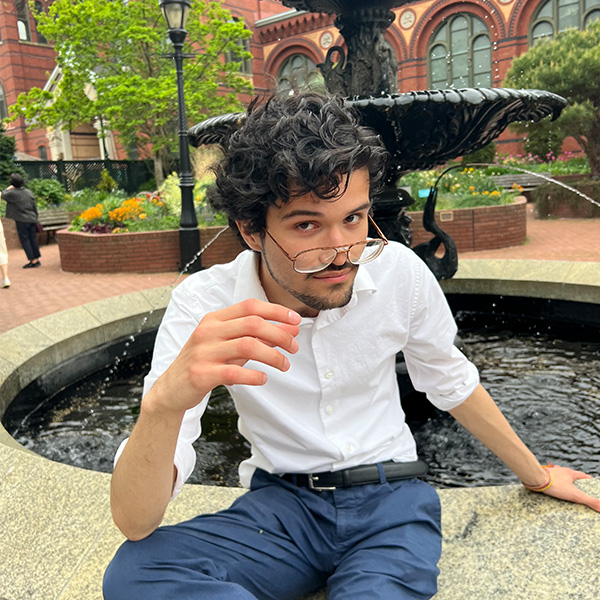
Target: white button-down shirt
column 338, row 405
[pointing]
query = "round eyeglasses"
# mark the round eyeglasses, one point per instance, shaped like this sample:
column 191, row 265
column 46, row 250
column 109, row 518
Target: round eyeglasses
column 317, row 259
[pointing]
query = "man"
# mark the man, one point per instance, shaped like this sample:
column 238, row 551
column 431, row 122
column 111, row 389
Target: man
column 304, row 331
column 22, row 208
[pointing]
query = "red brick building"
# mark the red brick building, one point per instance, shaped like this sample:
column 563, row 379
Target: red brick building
column 26, row 61
column 436, row 43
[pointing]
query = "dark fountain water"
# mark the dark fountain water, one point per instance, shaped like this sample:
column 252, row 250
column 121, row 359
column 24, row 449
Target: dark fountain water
column 548, row 388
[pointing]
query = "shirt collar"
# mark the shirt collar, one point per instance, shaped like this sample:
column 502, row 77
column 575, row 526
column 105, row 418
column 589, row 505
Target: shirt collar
column 248, row 285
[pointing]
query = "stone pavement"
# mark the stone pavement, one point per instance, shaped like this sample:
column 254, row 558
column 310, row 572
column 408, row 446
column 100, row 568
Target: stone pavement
column 38, row 292
column 56, row 533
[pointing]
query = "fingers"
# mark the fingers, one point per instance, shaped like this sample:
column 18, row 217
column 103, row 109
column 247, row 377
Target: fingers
column 564, row 487
column 579, row 475
column 225, row 340
column 266, row 310
column 272, row 324
column 590, row 501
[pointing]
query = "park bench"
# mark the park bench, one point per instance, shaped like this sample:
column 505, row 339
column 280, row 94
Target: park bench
column 53, row 219
column 525, row 181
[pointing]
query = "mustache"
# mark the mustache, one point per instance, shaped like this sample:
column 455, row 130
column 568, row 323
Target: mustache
column 334, row 269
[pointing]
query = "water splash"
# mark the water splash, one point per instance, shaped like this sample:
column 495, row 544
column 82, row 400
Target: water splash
column 131, row 339
column 544, row 177
column 113, row 369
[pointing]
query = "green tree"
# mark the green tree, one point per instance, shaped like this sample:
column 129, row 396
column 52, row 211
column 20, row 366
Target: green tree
column 8, row 147
column 111, row 56
column 568, row 65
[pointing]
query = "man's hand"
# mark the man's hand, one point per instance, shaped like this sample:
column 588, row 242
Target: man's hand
column 564, row 488
column 480, row 415
column 219, row 348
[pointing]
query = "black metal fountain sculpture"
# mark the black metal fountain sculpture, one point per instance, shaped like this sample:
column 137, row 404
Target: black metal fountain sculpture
column 421, row 129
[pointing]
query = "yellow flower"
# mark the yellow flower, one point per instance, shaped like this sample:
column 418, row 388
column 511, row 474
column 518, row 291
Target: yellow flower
column 495, row 193
column 94, row 212
column 471, row 188
column 143, row 216
column 485, row 193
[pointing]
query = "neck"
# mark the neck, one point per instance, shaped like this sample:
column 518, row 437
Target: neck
column 276, row 294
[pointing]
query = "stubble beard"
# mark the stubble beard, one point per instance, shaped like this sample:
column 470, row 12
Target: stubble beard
column 318, row 302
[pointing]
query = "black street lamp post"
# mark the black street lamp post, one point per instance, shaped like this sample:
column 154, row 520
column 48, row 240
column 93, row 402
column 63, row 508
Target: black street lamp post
column 176, row 14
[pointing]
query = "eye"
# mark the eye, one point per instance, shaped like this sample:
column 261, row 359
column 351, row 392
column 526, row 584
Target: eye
column 354, row 219
column 305, row 226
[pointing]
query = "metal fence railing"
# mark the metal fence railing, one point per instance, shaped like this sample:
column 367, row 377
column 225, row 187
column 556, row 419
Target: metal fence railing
column 74, row 175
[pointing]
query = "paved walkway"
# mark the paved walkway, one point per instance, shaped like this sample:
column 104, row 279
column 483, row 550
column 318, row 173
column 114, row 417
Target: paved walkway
column 35, row 293
column 56, row 533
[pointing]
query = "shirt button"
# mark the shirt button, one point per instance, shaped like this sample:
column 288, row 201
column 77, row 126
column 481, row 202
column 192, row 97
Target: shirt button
column 350, row 447
column 328, row 374
column 330, row 410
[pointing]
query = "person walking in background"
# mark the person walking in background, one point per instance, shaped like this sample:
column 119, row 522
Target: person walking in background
column 22, row 208
column 3, row 259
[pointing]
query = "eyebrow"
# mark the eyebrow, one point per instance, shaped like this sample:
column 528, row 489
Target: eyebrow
column 316, row 213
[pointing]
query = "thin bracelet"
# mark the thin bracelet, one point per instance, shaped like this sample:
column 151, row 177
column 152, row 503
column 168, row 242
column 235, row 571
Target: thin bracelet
column 546, row 485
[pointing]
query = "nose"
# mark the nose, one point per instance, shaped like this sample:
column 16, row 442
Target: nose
column 341, row 258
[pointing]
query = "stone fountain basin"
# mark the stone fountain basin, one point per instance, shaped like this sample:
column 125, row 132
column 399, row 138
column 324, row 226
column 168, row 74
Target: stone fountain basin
column 499, row 542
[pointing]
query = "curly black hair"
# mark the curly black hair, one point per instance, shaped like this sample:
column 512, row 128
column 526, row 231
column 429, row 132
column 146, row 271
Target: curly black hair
column 291, row 146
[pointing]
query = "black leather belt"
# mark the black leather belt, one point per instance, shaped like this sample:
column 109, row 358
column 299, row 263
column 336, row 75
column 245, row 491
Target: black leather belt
column 361, row 475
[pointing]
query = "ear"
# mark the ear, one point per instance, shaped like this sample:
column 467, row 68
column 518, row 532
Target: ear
column 253, row 240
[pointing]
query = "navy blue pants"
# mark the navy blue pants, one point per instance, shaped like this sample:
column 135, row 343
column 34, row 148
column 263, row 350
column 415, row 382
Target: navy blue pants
column 28, row 237
column 280, row 541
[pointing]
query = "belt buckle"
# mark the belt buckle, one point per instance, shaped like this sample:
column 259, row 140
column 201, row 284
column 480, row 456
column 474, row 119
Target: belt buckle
column 319, row 488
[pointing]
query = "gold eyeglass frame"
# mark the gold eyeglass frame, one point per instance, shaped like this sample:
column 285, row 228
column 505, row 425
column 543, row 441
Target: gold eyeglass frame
column 338, row 249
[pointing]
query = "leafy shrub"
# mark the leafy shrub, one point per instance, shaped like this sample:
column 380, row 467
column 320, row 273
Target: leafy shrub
column 171, row 195
column 148, row 186
column 487, row 154
column 106, row 183
column 87, row 197
column 47, row 192
column 8, row 146
column 564, row 164
column 545, row 142
column 550, row 197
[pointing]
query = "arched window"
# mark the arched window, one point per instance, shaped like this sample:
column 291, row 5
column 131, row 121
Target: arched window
column 460, row 53
column 3, row 106
column 554, row 16
column 43, row 152
column 23, row 20
column 296, row 72
column 245, row 63
column 39, row 7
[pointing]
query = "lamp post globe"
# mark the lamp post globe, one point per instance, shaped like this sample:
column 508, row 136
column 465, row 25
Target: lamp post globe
column 176, row 14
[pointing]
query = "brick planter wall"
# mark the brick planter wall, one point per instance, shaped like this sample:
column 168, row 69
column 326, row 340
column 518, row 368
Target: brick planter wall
column 12, row 238
column 483, row 228
column 143, row 252
column 10, row 234
column 480, row 228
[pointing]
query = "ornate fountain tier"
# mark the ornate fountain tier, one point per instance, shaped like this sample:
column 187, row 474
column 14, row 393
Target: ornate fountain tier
column 424, row 129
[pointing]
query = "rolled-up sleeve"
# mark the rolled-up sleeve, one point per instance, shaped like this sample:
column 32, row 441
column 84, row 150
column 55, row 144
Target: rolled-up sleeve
column 435, row 365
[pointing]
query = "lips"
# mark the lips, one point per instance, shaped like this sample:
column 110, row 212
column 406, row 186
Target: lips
column 336, row 274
